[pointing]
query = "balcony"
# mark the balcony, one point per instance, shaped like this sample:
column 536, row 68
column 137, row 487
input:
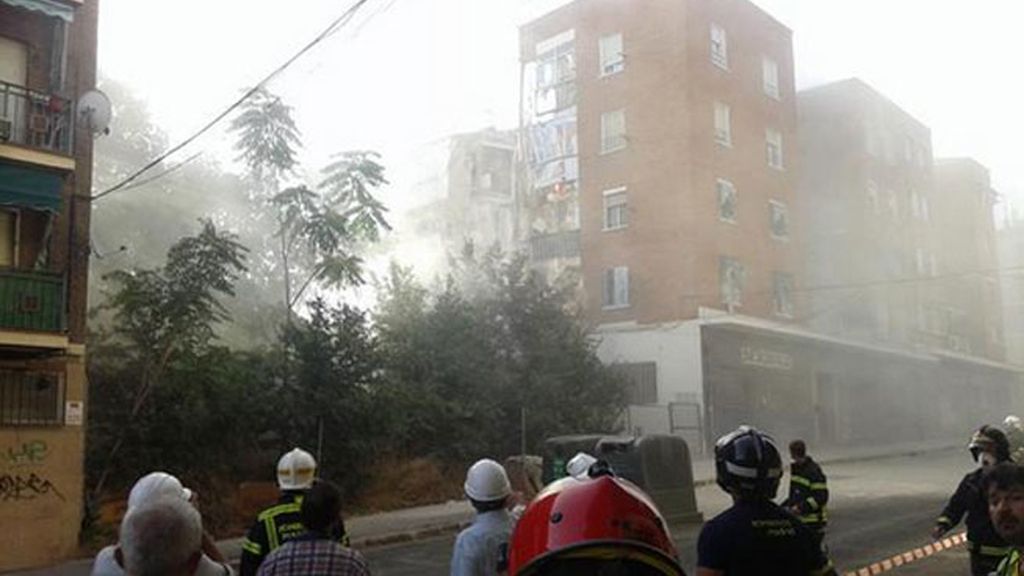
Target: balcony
column 31, row 302
column 35, row 127
column 558, row 245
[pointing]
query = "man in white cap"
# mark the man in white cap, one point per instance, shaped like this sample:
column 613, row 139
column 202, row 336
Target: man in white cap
column 150, row 488
column 482, row 549
column 282, row 522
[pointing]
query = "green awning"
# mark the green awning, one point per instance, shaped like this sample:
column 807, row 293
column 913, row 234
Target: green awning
column 29, row 188
column 49, row 7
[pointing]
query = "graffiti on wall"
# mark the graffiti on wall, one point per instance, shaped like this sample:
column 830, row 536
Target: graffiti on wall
column 16, row 484
column 24, row 454
column 17, row 487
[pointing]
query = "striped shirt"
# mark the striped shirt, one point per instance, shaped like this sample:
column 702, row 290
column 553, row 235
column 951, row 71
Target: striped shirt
column 314, row 557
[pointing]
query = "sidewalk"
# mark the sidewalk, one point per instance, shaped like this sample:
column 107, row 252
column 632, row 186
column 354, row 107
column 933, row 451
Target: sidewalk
column 426, row 521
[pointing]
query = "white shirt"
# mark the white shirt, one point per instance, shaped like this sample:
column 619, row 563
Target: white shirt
column 106, row 565
column 480, row 548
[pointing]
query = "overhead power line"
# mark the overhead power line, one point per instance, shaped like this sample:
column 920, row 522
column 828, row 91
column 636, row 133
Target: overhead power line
column 334, row 26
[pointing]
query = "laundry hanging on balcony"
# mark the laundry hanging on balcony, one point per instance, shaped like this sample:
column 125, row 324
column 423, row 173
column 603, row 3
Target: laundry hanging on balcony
column 29, row 188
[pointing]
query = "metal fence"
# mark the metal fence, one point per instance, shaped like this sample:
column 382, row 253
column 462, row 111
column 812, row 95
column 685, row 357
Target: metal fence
column 32, row 301
column 31, row 398
column 35, row 119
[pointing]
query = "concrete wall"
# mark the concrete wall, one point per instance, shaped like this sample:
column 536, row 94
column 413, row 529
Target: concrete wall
column 41, row 481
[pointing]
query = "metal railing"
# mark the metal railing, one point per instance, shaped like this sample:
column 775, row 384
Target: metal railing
column 30, row 398
column 32, row 301
column 35, row 119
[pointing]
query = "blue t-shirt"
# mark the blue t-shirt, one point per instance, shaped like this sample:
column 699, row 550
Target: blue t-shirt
column 759, row 538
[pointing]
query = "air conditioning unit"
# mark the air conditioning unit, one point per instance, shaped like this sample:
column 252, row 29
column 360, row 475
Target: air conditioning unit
column 6, row 129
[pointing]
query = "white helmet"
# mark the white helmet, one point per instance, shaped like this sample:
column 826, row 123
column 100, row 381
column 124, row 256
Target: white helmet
column 296, row 470
column 579, row 466
column 1012, row 422
column 156, row 485
column 486, row 481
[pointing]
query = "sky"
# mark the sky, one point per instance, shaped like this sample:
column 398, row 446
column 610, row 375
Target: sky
column 407, row 72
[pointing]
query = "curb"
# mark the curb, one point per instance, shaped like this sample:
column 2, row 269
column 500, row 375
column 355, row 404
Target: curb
column 445, row 529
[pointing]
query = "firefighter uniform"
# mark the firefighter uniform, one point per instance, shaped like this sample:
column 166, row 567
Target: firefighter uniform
column 808, row 494
column 273, row 527
column 985, row 546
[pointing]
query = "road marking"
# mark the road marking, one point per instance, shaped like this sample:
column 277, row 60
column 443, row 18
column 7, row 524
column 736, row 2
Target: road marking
column 909, row 556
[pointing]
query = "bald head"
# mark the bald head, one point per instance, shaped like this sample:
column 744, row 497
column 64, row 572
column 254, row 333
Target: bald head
column 161, row 538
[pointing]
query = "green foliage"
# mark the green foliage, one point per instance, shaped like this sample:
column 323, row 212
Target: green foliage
column 319, row 229
column 461, row 365
column 268, row 138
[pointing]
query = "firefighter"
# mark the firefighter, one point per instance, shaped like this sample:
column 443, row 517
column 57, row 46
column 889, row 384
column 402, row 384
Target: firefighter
column 755, row 535
column 808, row 490
column 282, row 522
column 592, row 524
column 1003, row 484
column 988, row 447
column 1015, row 436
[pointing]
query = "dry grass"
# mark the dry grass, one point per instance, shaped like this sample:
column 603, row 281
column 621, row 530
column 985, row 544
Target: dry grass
column 396, row 483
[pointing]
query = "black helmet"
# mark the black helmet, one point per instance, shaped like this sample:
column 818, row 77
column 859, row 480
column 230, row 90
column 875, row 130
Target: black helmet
column 747, row 463
column 990, row 438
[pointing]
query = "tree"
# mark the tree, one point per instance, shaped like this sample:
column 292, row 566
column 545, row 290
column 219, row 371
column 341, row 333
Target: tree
column 318, row 229
column 163, row 315
column 462, row 365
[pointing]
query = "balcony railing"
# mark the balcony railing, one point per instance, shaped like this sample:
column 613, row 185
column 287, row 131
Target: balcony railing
column 557, row 245
column 32, row 301
column 35, row 119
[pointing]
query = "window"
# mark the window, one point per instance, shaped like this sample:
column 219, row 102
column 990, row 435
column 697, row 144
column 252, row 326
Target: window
column 920, row 261
column 730, row 279
column 616, row 287
column 29, row 398
column 894, row 205
column 779, row 215
column 873, row 196
column 770, row 77
column 613, row 131
column 719, row 47
column 8, row 236
column 773, row 147
column 486, row 181
column 723, row 129
column 726, row 200
column 616, row 210
column 612, row 59
column 782, row 294
column 642, row 380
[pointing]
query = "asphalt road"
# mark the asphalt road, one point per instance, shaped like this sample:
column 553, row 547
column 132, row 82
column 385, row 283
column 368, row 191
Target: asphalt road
column 878, row 508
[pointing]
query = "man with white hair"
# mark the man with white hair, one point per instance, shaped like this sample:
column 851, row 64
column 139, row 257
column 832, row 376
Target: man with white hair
column 162, row 538
column 149, row 488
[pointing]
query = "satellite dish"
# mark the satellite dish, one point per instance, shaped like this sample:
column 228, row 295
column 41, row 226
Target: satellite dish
column 94, row 112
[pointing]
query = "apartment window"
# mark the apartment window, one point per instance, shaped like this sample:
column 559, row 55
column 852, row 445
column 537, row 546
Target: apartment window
column 773, row 147
column 642, row 380
column 770, row 77
column 29, row 398
column 730, row 279
column 726, row 200
column 723, row 128
column 612, row 59
column 719, row 47
column 8, row 235
column 616, row 209
column 872, row 191
column 616, row 287
column 782, row 294
column 920, row 262
column 779, row 215
column 893, row 203
column 613, row 131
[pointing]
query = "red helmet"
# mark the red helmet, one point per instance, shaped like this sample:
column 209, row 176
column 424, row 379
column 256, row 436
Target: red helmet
column 602, row 525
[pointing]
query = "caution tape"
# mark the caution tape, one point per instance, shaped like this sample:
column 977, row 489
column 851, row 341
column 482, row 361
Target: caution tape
column 910, row 556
